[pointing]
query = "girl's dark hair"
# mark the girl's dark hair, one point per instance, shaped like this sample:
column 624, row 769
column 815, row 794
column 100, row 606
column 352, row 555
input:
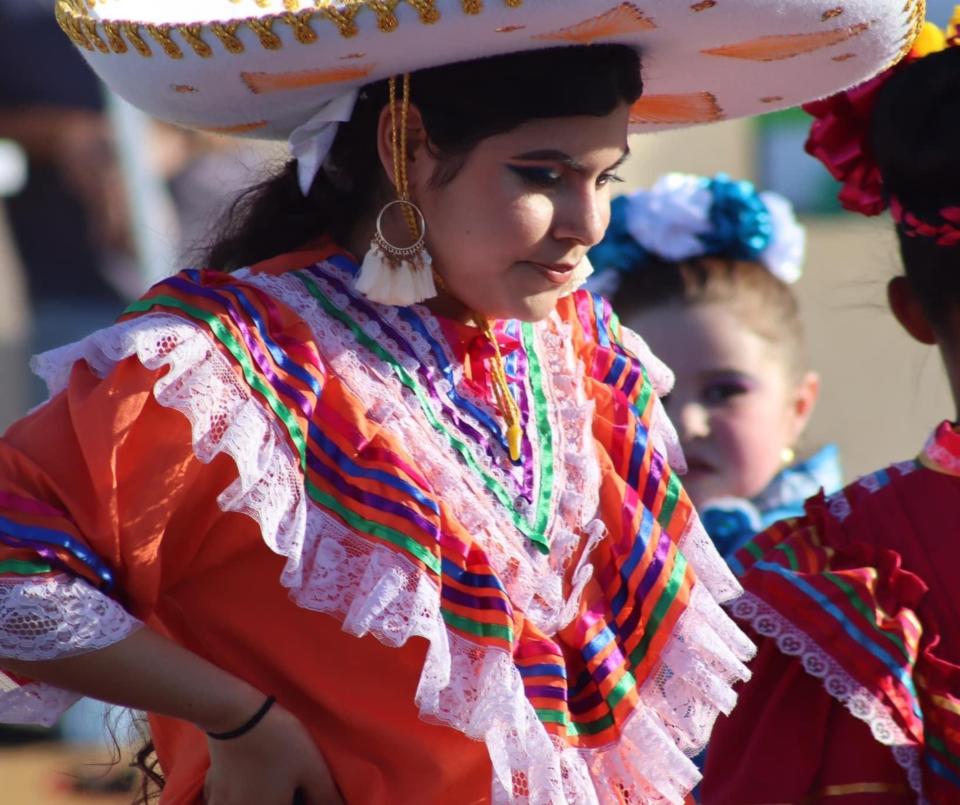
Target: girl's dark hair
column 764, row 303
column 461, row 104
column 915, row 132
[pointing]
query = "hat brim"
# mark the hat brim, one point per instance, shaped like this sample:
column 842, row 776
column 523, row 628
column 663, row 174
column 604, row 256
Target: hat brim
column 262, row 67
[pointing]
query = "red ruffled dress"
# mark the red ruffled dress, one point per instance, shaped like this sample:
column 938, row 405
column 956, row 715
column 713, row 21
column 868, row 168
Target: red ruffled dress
column 855, row 695
column 314, row 492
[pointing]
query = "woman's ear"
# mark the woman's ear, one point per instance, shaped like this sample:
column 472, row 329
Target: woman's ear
column 908, row 310
column 416, row 142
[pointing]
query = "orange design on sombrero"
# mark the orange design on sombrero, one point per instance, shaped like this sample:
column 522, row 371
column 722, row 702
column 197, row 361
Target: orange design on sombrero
column 625, row 18
column 774, row 48
column 264, row 83
column 691, row 107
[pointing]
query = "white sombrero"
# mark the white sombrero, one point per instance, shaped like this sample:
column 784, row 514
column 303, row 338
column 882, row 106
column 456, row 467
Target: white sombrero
column 263, row 67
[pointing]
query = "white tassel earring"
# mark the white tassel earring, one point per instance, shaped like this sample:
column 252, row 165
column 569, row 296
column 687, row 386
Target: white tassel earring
column 398, row 275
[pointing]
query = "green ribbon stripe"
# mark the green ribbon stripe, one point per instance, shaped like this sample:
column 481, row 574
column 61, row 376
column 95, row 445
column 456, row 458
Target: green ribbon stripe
column 501, row 632
column 644, row 395
column 622, row 688
column 671, row 497
column 937, row 744
column 861, row 606
column 23, row 567
column 384, row 532
column 544, row 430
column 238, row 351
column 754, row 550
column 663, row 605
column 790, row 554
column 572, row 727
column 491, row 483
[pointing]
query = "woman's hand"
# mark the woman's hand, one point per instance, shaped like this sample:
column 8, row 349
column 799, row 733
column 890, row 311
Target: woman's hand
column 268, row 764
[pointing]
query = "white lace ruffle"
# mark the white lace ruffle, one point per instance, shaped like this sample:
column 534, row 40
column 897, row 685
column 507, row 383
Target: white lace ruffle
column 534, row 582
column 373, row 590
column 201, row 384
column 48, row 618
column 479, row 691
column 861, row 703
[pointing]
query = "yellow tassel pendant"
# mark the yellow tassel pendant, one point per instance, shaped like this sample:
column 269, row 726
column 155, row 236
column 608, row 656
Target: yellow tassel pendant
column 514, row 437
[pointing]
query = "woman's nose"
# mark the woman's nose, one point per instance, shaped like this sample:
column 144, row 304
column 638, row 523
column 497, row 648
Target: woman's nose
column 584, row 217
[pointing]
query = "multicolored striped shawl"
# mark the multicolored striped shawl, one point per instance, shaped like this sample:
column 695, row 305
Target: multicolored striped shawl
column 581, row 565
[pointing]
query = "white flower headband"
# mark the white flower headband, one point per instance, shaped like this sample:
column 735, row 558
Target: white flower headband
column 684, row 216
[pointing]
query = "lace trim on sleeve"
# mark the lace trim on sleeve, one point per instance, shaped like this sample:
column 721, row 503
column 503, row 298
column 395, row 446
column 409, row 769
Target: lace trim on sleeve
column 49, row 618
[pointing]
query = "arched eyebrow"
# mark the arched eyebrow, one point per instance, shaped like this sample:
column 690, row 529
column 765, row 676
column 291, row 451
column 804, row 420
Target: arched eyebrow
column 563, row 158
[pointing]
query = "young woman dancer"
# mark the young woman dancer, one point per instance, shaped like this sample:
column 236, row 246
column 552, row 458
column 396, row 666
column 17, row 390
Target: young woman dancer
column 376, row 506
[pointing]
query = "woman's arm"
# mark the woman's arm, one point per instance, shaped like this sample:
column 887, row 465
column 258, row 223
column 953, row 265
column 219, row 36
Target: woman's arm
column 146, row 671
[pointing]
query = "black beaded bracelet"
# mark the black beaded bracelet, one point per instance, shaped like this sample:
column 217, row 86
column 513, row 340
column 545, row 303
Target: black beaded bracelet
column 248, row 725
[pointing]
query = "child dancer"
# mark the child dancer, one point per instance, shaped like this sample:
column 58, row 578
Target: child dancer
column 702, row 268
column 856, row 691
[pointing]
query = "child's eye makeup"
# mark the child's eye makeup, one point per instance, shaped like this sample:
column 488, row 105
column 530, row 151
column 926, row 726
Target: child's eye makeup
column 722, row 389
column 537, row 175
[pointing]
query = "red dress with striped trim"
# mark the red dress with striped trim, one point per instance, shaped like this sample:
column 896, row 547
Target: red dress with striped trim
column 313, row 492
column 855, row 694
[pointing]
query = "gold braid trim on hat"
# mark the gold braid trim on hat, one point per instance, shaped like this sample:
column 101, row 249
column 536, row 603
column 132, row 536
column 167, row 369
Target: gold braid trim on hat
column 916, row 11
column 125, row 36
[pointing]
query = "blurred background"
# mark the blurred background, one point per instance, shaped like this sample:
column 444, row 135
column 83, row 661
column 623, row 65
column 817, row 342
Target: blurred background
column 98, row 202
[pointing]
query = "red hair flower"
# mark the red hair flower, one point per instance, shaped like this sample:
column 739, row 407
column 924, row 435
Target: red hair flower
column 839, row 136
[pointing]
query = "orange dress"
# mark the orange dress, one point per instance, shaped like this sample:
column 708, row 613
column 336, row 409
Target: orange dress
column 314, row 493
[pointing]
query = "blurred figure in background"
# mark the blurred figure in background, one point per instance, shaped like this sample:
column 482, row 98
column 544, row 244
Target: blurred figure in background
column 13, row 297
column 69, row 223
column 701, row 268
column 79, row 245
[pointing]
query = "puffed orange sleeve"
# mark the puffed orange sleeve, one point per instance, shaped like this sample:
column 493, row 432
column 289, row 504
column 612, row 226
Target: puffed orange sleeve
column 103, row 505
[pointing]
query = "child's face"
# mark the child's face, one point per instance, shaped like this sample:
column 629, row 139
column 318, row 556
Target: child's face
column 733, row 404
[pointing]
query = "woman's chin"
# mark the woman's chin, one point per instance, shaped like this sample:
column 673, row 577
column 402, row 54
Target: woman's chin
column 526, row 308
column 535, row 307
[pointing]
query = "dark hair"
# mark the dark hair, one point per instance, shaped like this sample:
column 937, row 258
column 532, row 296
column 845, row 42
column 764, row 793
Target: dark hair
column 915, row 131
column 461, row 104
column 762, row 301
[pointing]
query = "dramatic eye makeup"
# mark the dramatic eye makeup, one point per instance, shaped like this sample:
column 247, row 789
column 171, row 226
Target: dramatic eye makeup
column 548, row 175
column 537, row 175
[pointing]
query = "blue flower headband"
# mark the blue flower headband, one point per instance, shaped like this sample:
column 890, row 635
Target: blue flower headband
column 684, row 216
